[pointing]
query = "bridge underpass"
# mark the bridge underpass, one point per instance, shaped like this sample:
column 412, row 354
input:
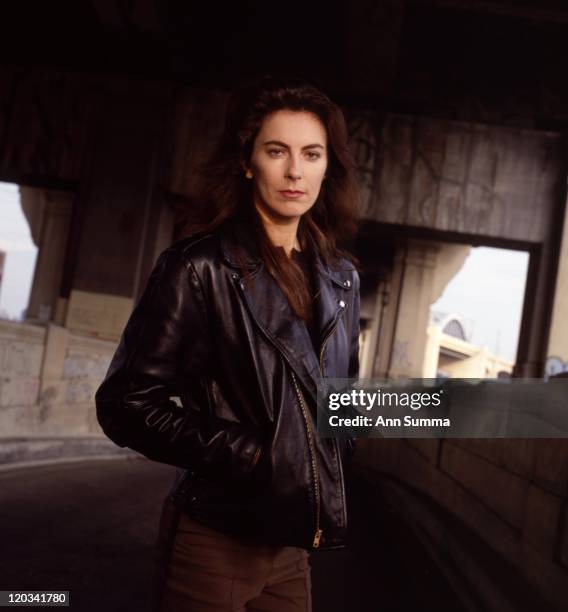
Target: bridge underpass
column 106, row 110
column 90, row 527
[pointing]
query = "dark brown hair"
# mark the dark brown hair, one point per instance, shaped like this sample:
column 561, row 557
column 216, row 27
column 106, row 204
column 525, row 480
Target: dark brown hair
column 225, row 195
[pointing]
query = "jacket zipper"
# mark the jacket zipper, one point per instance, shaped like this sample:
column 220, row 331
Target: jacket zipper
column 327, row 337
column 319, row 531
column 315, row 470
column 311, row 448
column 334, row 440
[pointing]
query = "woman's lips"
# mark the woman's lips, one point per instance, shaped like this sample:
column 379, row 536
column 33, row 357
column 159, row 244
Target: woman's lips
column 292, row 195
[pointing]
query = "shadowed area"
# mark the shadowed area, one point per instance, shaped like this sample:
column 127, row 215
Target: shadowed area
column 90, row 527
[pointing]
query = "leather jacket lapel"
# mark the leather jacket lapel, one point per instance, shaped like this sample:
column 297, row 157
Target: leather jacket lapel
column 271, row 310
column 326, row 306
column 273, row 314
column 330, row 286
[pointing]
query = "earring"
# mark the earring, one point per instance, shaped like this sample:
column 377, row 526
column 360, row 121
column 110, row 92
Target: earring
column 248, row 174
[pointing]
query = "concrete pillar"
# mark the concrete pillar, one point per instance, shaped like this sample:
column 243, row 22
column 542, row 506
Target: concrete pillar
column 421, row 272
column 52, row 384
column 373, row 311
column 116, row 227
column 541, row 349
column 557, row 349
column 55, row 209
column 431, row 352
column 417, row 261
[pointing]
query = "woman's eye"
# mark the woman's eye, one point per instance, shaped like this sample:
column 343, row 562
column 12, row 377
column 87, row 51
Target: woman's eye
column 313, row 155
column 275, row 152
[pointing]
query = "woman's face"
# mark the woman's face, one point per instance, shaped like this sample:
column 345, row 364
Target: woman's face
column 288, row 164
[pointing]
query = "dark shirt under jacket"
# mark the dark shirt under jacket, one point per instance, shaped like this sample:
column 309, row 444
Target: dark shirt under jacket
column 304, row 263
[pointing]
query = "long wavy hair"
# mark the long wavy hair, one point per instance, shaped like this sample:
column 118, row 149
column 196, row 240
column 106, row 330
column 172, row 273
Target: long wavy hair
column 224, row 195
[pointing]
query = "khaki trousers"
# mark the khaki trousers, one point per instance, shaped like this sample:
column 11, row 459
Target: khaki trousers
column 204, row 570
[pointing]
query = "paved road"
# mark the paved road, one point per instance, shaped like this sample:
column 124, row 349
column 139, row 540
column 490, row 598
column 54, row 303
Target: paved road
column 89, row 527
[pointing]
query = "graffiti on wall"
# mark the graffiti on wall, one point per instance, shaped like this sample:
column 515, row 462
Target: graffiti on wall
column 456, row 176
column 364, row 136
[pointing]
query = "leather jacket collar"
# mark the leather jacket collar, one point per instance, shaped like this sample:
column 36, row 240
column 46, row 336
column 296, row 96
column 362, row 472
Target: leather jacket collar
column 272, row 312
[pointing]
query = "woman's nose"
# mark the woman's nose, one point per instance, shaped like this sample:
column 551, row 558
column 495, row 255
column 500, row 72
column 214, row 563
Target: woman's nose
column 294, row 170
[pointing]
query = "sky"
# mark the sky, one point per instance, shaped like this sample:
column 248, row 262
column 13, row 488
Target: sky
column 16, row 241
column 487, row 293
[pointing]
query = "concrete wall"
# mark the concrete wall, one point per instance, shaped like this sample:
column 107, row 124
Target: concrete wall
column 458, row 177
column 511, row 494
column 129, row 150
column 475, row 184
column 48, row 378
column 105, row 140
column 421, row 272
column 21, row 357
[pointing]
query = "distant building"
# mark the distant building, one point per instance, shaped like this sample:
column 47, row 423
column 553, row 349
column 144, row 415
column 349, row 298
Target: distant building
column 450, row 354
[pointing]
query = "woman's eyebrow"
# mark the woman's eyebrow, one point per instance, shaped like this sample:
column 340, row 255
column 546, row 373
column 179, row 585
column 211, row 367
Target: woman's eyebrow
column 283, row 144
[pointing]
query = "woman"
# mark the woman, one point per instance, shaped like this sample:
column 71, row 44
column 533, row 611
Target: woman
column 240, row 320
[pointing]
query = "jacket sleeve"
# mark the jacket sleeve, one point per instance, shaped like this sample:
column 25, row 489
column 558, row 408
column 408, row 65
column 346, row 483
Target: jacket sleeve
column 165, row 346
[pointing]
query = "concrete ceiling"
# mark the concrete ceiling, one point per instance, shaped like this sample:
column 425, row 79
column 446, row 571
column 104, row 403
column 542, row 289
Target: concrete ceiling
column 418, row 56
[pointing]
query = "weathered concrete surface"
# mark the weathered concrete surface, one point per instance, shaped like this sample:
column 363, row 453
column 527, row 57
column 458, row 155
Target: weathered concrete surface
column 48, row 380
column 473, row 179
column 491, row 517
column 90, row 527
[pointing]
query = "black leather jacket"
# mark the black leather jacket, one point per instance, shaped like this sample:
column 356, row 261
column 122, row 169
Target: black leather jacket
column 244, row 367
